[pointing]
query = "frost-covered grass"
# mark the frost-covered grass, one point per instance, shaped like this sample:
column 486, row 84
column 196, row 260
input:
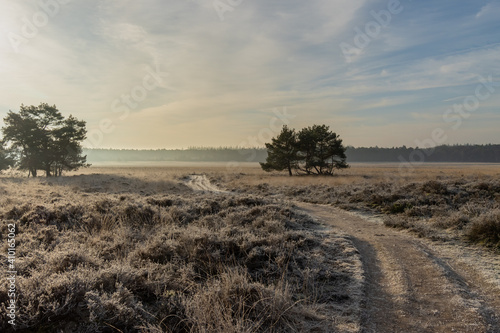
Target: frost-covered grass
column 439, row 201
column 136, row 250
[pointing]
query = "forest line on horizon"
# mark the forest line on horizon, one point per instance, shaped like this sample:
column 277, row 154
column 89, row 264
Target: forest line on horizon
column 489, row 153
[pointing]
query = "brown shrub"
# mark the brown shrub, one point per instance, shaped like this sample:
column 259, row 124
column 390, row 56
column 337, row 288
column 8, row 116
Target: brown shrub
column 231, row 303
column 434, row 187
column 485, row 229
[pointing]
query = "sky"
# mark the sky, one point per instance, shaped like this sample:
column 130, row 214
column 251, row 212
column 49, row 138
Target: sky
column 182, row 73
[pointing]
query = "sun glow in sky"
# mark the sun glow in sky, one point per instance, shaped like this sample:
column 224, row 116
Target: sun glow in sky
column 179, row 73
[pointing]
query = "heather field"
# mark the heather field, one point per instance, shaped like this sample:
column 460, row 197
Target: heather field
column 138, row 250
column 438, row 201
column 228, row 248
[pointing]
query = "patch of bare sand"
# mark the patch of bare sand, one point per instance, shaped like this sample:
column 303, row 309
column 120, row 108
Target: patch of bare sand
column 201, row 183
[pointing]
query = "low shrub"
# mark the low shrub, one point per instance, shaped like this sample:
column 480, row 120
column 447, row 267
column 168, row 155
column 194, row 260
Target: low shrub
column 204, row 263
column 434, row 187
column 485, row 229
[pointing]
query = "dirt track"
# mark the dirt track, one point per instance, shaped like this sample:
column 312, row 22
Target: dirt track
column 409, row 287
column 201, row 183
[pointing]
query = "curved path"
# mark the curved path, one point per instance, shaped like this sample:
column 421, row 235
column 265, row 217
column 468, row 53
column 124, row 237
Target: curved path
column 409, row 287
column 201, row 183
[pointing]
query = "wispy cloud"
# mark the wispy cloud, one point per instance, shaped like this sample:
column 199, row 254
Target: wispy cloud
column 263, row 55
column 491, row 10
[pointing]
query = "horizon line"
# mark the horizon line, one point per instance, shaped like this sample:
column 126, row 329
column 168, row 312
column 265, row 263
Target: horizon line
column 262, row 148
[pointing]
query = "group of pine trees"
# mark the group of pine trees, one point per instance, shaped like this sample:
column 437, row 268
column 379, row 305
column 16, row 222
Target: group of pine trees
column 312, row 150
column 40, row 138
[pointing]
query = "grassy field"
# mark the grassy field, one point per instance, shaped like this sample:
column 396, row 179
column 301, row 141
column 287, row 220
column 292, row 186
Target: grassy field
column 128, row 249
column 439, row 201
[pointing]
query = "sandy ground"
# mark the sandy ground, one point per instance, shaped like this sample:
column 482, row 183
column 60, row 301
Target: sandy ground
column 201, row 183
column 411, row 284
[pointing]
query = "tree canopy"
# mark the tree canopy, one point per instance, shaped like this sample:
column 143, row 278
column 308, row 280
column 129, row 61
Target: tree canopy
column 313, row 150
column 282, row 152
column 5, row 159
column 42, row 139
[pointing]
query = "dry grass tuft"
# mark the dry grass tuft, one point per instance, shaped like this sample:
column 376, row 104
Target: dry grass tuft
column 485, row 229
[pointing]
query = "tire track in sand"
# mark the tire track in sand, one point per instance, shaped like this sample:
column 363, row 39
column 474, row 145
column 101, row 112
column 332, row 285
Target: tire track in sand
column 409, row 287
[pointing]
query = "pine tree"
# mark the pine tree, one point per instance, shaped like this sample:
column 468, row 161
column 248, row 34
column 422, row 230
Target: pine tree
column 314, row 150
column 282, row 152
column 44, row 140
column 6, row 160
column 320, row 150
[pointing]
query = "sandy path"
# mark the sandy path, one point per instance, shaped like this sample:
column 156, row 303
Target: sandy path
column 411, row 287
column 201, row 183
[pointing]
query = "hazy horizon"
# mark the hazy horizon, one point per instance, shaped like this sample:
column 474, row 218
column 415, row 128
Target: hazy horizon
column 170, row 75
column 263, row 147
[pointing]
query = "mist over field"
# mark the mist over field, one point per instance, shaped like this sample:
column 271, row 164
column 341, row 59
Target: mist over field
column 446, row 154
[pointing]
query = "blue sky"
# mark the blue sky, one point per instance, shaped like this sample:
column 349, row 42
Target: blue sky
column 179, row 73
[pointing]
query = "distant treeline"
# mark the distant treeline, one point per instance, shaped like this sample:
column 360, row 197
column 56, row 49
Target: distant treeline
column 458, row 153
column 195, row 154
